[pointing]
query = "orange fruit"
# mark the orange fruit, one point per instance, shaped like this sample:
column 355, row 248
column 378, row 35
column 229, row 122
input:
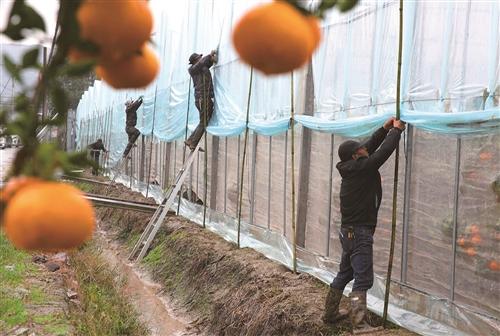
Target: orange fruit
column 118, row 27
column 461, row 242
column 485, row 156
column 48, row 216
column 135, row 71
column 474, row 229
column 274, row 38
column 470, row 252
column 313, row 23
column 476, row 239
column 14, row 185
column 493, row 265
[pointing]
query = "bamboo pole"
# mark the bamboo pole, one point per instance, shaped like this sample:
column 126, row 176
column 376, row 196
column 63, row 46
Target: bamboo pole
column 244, row 155
column 185, row 138
column 205, row 157
column 396, row 169
column 292, row 158
column 151, row 145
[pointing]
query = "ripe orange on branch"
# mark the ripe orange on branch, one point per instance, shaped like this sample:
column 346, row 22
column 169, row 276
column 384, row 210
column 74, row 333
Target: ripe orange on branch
column 48, row 216
column 275, row 37
column 135, row 71
column 117, row 27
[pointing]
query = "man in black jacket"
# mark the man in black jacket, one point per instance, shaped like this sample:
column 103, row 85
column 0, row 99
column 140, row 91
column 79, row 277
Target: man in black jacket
column 360, row 198
column 203, row 92
column 133, row 133
column 95, row 153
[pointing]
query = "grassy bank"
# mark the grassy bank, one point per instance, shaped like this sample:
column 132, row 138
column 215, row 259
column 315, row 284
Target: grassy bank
column 103, row 309
column 31, row 298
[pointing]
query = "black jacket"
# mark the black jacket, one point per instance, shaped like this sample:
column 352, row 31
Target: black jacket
column 131, row 112
column 361, row 189
column 98, row 145
column 202, row 79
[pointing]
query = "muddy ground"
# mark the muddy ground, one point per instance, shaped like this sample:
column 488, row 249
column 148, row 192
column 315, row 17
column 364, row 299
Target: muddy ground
column 223, row 289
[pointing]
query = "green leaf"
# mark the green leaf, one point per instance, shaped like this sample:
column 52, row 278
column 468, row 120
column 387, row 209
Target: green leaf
column 12, row 68
column 22, row 17
column 30, row 58
column 75, row 160
column 78, row 69
column 327, row 4
column 346, row 5
column 60, row 102
column 22, row 102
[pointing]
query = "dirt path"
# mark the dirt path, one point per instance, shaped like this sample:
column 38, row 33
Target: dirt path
column 154, row 309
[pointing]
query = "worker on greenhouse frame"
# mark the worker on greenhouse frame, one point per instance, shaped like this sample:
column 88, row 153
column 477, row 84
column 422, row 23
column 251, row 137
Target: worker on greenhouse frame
column 95, row 152
column 203, row 92
column 360, row 198
column 133, row 133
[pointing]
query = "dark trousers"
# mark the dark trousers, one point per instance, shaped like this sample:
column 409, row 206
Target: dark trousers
column 205, row 108
column 95, row 155
column 357, row 258
column 133, row 133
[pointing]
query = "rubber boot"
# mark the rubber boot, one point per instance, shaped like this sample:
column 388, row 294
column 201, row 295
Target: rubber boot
column 359, row 315
column 332, row 313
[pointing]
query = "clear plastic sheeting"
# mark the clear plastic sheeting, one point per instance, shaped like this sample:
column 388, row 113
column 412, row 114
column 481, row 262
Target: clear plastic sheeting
column 449, row 182
column 450, row 81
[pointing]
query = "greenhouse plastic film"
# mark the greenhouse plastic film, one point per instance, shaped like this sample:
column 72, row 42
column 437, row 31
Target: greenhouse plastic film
column 409, row 308
column 450, row 85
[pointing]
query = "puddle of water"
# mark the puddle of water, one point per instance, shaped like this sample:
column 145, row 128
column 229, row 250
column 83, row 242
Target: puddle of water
column 155, row 311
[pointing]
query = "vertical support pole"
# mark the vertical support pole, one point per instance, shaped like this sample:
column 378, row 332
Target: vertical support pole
column 330, row 193
column 225, row 174
column 252, row 182
column 197, row 173
column 305, row 161
column 45, row 105
column 132, row 155
column 292, row 156
column 184, row 148
column 214, row 180
column 455, row 217
column 143, row 158
column 168, row 155
column 285, row 164
column 175, row 159
column 148, row 177
column 238, row 177
column 406, row 205
column 244, row 154
column 269, row 181
column 396, row 170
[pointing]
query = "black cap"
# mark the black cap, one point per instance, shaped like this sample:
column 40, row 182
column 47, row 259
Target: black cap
column 347, row 149
column 194, row 57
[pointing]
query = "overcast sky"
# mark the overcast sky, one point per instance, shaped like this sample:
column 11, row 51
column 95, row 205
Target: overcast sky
column 46, row 8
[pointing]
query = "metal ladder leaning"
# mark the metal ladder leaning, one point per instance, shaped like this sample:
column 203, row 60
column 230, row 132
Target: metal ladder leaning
column 158, row 217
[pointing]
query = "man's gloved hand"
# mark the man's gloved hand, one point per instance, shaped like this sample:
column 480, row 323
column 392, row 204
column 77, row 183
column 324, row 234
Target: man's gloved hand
column 389, row 123
column 400, row 124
